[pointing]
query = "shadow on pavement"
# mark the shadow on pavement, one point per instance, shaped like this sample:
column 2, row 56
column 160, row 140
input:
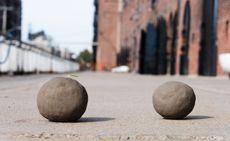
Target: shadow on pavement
column 95, row 119
column 192, row 117
column 197, row 117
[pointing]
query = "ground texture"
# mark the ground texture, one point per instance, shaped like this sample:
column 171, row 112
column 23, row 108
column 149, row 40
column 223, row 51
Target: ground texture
column 119, row 108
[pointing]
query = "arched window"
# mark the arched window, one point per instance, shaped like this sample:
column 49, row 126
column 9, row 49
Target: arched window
column 208, row 47
column 184, row 58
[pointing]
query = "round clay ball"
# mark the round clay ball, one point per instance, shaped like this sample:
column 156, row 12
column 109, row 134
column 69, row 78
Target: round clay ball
column 62, row 100
column 174, row 100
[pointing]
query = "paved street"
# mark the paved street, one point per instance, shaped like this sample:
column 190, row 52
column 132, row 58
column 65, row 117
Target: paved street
column 119, row 108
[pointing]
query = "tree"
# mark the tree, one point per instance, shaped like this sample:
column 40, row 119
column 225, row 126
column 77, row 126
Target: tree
column 85, row 56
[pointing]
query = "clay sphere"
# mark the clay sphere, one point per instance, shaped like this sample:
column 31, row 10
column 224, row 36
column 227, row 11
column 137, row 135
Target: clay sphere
column 62, row 100
column 174, row 100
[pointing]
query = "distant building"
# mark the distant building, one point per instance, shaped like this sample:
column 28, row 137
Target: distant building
column 10, row 18
column 163, row 36
column 41, row 40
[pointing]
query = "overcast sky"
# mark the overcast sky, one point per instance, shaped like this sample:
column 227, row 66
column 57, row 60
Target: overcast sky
column 64, row 20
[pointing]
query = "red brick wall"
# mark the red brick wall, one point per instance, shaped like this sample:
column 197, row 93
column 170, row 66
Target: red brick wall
column 123, row 30
column 134, row 18
column 223, row 34
column 108, row 34
column 223, row 31
column 166, row 7
column 195, row 34
column 167, row 10
column 120, row 29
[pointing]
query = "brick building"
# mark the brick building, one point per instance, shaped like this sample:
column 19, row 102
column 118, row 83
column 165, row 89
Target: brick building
column 10, row 17
column 223, row 38
column 119, row 28
column 163, row 36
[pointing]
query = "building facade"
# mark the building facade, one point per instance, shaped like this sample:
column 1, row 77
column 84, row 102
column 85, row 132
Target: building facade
column 119, row 28
column 163, row 36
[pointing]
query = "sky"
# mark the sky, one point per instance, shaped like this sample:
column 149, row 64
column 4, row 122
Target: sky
column 68, row 22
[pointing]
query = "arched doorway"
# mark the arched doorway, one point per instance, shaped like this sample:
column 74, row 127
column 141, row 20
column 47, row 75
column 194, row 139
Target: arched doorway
column 142, row 52
column 184, row 58
column 148, row 50
column 161, row 47
column 174, row 44
column 208, row 48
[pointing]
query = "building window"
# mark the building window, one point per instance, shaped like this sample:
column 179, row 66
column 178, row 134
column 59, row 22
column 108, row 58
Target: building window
column 125, row 3
column 153, row 3
column 227, row 28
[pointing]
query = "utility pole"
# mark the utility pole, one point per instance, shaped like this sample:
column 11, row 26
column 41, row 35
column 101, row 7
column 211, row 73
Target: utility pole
column 4, row 10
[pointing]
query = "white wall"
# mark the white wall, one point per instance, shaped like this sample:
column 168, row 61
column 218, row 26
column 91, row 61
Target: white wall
column 29, row 60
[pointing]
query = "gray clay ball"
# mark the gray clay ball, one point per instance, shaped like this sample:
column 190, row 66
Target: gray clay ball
column 62, row 100
column 174, row 100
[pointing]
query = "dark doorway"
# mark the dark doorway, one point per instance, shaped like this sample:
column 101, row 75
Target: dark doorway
column 208, row 50
column 184, row 58
column 123, row 56
column 174, row 25
column 141, row 52
column 148, row 50
column 161, row 47
column 134, row 54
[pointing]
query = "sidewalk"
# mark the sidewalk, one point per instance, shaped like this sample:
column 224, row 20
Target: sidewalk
column 119, row 108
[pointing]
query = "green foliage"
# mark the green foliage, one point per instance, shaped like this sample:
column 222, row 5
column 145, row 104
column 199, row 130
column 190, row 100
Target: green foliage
column 85, row 56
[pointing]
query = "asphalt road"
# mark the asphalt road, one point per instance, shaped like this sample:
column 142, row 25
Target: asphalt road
column 119, row 108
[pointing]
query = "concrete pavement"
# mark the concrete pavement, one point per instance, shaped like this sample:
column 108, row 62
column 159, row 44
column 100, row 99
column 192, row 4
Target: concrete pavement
column 119, row 108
